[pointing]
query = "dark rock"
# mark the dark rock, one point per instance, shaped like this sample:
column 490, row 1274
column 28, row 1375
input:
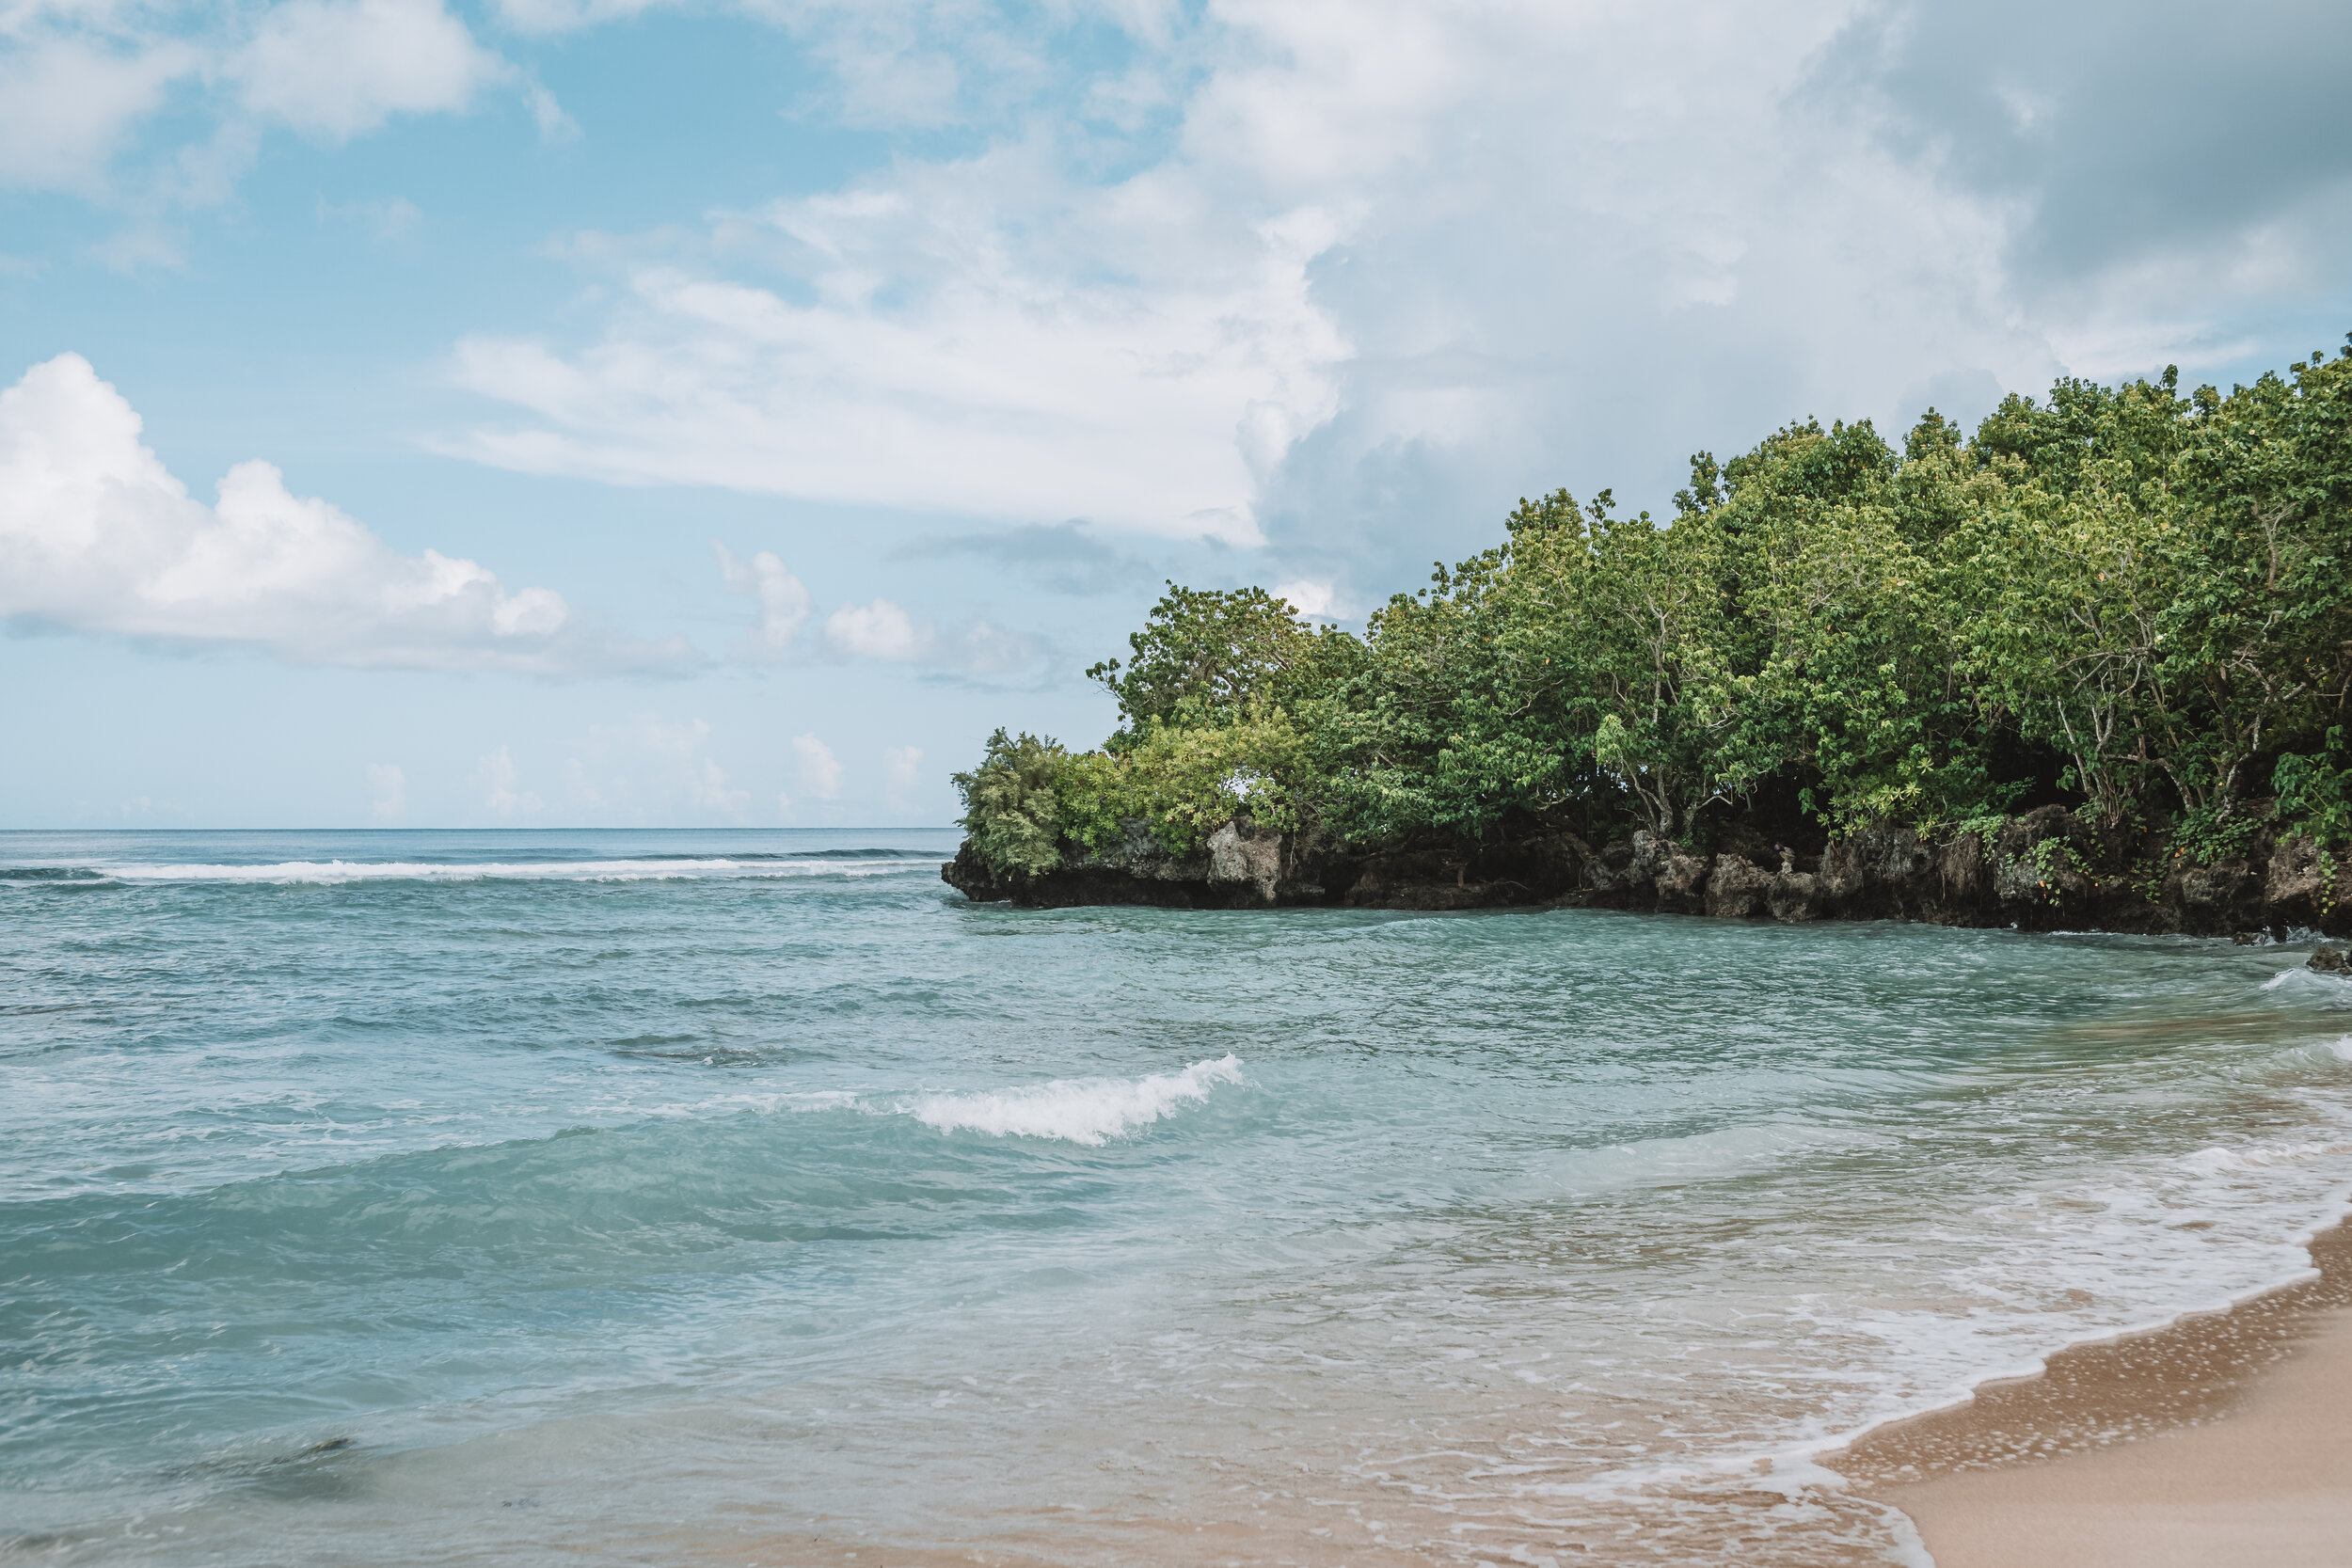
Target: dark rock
column 1875, row 874
column 2331, row 960
column 2224, row 896
column 1965, row 869
column 2045, row 870
column 1678, row 880
column 2303, row 886
column 2042, row 866
column 1795, row 896
column 1737, row 889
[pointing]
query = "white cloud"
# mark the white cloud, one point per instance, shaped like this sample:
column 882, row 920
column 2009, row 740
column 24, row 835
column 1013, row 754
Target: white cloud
column 96, row 535
column 389, row 786
column 818, row 770
column 500, row 780
column 557, row 16
column 1365, row 273
column 986, row 337
column 69, row 104
column 784, row 603
column 1311, row 598
column 554, row 125
column 333, row 69
column 902, row 777
column 883, row 630
column 878, row 630
column 179, row 97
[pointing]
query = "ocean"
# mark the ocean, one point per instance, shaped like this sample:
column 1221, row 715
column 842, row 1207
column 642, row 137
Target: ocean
column 751, row 1198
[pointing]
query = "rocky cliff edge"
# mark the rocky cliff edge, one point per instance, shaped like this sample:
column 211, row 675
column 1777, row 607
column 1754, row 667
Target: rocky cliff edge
column 2046, row 870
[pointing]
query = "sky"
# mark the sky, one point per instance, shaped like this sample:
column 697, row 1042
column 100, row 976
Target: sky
column 576, row 413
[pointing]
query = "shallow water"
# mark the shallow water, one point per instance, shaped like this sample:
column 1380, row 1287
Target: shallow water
column 750, row 1197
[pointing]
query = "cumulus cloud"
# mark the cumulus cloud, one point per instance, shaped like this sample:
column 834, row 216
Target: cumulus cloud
column 332, row 69
column 2154, row 163
column 80, row 84
column 1316, row 600
column 97, row 536
column 69, row 102
column 883, row 630
column 816, row 771
column 783, row 602
column 878, row 630
column 2118, row 126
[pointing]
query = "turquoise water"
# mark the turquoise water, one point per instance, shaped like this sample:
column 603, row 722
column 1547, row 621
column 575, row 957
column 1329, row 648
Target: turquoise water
column 752, row 1197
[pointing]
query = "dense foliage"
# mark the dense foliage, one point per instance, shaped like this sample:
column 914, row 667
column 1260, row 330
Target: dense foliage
column 2123, row 599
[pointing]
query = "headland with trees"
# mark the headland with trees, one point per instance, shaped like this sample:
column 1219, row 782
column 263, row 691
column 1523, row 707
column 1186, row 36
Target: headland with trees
column 2064, row 666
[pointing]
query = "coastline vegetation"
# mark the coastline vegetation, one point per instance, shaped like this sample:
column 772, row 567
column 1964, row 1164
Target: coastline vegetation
column 2127, row 600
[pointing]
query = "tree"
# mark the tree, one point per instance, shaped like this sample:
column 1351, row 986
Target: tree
column 1205, row 654
column 1012, row 809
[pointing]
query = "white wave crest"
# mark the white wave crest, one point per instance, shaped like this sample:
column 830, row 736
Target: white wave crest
column 331, row 872
column 2214, row 1161
column 1087, row 1111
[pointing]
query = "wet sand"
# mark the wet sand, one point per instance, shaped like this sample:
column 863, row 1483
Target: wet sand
column 2222, row 1439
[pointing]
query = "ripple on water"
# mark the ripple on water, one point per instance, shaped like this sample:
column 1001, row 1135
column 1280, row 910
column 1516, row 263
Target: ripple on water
column 501, row 1198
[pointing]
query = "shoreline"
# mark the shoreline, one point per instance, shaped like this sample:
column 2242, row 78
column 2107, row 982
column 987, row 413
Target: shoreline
column 2044, row 871
column 2221, row 1437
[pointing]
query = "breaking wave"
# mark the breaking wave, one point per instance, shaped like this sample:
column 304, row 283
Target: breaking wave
column 1089, row 1111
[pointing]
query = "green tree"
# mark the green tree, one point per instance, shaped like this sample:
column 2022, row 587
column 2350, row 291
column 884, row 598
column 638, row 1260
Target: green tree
column 1012, row 809
column 2137, row 597
column 1204, row 655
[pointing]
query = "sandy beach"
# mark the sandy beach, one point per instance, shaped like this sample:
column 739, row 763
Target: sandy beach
column 2224, row 1438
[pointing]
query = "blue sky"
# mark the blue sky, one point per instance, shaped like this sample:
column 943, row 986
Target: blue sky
column 584, row 412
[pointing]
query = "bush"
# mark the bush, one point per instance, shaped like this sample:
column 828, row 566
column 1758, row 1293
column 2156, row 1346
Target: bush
column 1012, row 811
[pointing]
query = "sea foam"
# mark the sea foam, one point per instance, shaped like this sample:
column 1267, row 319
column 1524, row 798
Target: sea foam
column 1087, row 1111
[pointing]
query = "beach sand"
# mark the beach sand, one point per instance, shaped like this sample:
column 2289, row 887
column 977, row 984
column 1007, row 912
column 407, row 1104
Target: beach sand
column 2222, row 1439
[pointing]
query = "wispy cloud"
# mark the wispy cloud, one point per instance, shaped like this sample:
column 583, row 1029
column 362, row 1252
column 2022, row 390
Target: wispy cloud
column 388, row 785
column 1065, row 558
column 902, row 776
column 988, row 338
column 386, row 220
column 649, row 769
column 97, row 536
column 1341, row 281
column 500, row 781
column 883, row 630
column 816, row 771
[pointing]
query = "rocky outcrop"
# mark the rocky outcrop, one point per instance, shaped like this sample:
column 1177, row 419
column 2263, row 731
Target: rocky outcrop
column 2046, row 870
column 1737, row 889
